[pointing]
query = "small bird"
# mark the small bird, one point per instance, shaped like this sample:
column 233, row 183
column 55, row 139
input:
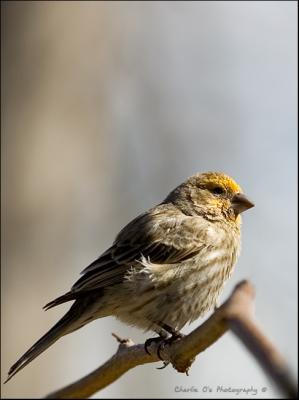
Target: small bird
column 165, row 268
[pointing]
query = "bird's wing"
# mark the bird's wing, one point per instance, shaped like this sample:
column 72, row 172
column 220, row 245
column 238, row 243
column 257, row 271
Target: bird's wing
column 162, row 238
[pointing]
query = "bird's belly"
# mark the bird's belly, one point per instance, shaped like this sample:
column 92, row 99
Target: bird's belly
column 193, row 298
column 184, row 294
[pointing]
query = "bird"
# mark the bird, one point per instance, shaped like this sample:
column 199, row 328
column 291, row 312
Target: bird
column 165, row 268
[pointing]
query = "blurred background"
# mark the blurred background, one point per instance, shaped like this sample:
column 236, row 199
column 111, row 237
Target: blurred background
column 106, row 106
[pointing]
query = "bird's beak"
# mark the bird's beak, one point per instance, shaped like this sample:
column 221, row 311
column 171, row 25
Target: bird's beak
column 240, row 203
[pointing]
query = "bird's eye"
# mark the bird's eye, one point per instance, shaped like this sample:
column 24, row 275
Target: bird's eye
column 217, row 190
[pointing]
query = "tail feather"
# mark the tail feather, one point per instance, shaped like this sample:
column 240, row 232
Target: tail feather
column 60, row 300
column 63, row 326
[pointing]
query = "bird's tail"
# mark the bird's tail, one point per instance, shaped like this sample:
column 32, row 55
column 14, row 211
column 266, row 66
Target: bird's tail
column 68, row 323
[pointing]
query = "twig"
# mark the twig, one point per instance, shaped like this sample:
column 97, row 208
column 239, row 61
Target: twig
column 235, row 314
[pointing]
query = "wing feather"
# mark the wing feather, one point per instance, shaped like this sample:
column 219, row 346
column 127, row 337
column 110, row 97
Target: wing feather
column 163, row 239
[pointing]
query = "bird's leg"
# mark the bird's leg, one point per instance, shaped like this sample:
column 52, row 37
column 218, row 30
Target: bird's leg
column 175, row 334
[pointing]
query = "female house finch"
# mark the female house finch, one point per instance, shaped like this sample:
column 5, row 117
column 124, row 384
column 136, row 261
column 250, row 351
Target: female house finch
column 164, row 269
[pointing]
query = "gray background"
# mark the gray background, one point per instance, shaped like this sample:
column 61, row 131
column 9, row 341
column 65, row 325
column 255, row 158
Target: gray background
column 105, row 108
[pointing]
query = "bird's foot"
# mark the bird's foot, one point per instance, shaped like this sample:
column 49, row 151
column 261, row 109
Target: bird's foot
column 148, row 342
column 173, row 338
column 162, row 343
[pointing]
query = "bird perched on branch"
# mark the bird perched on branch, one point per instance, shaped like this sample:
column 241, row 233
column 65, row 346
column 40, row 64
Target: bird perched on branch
column 165, row 268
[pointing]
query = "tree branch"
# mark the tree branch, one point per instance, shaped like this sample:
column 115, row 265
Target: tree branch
column 235, row 314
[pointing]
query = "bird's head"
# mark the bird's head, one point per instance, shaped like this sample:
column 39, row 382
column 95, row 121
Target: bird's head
column 213, row 195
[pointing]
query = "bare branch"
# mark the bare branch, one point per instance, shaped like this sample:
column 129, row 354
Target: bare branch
column 235, row 314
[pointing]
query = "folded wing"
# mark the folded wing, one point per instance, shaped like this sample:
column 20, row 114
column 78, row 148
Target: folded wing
column 163, row 239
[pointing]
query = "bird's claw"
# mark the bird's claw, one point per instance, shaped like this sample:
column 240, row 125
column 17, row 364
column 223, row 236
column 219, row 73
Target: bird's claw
column 165, row 363
column 175, row 336
column 162, row 342
column 148, row 342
